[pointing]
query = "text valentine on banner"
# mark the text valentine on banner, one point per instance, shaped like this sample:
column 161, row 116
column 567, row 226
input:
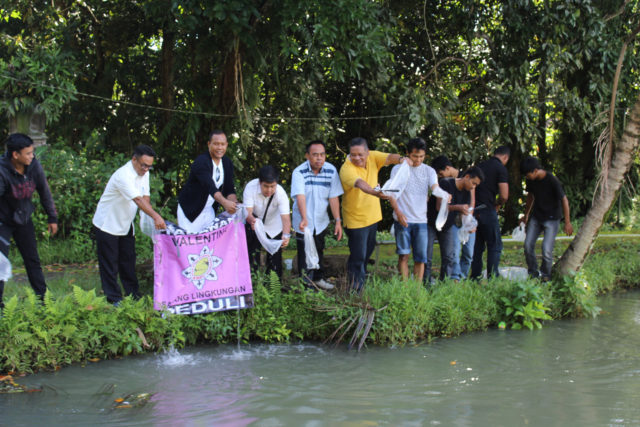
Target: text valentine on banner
column 202, row 273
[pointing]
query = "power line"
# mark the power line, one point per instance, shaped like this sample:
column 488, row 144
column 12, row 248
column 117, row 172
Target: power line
column 210, row 114
column 200, row 113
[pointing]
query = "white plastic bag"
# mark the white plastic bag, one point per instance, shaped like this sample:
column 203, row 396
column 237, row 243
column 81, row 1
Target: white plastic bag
column 396, row 185
column 5, row 268
column 442, row 214
column 518, row 233
column 310, row 251
column 469, row 223
column 270, row 245
column 147, row 226
column 444, row 207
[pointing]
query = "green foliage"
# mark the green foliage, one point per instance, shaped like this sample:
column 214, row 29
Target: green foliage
column 76, row 183
column 525, row 304
column 575, row 297
column 612, row 265
column 38, row 79
column 76, row 325
column 462, row 307
column 465, row 75
column 406, row 314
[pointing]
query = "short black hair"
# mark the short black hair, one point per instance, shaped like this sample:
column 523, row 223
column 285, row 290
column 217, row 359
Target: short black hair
column 215, row 132
column 268, row 174
column 440, row 163
column 502, row 150
column 474, row 172
column 314, row 142
column 358, row 140
column 143, row 150
column 17, row 142
column 529, row 165
column 416, row 144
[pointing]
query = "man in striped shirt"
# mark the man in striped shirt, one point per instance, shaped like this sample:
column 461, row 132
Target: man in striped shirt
column 315, row 185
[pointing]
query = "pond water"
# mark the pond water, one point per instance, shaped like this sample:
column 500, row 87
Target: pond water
column 578, row 372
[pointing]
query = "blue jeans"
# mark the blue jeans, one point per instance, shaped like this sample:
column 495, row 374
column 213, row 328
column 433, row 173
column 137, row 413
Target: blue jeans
column 448, row 240
column 534, row 228
column 462, row 260
column 362, row 242
column 415, row 237
column 487, row 235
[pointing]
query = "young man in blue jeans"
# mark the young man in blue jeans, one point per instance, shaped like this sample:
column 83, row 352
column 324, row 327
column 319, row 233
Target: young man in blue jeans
column 490, row 196
column 545, row 197
column 462, row 262
column 412, row 204
column 460, row 190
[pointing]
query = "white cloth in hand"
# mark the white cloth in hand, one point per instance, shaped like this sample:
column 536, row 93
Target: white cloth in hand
column 270, row 245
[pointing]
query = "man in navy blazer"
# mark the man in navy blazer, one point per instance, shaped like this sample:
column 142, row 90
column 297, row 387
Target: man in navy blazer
column 209, row 186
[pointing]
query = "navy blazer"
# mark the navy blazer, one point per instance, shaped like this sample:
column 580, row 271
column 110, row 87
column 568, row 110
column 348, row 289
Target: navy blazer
column 194, row 194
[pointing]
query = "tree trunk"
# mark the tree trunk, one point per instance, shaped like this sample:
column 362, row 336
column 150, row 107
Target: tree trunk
column 623, row 154
column 542, row 118
column 513, row 206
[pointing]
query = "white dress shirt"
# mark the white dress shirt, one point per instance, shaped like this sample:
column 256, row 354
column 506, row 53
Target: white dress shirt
column 116, row 209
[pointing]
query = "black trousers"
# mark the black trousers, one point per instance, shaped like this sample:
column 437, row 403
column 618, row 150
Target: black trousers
column 317, row 274
column 25, row 238
column 117, row 256
column 274, row 262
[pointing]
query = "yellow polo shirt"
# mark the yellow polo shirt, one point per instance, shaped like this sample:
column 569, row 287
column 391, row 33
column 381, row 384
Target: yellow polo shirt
column 360, row 209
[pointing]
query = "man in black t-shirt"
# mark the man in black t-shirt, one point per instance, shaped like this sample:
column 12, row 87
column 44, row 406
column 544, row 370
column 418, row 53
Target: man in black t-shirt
column 486, row 212
column 459, row 205
column 462, row 263
column 546, row 196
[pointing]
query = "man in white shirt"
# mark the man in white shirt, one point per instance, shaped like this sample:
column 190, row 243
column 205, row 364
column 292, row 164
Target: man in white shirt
column 126, row 191
column 264, row 198
column 315, row 186
column 410, row 223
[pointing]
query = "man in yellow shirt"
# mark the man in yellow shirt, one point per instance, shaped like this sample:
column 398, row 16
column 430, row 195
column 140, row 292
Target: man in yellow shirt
column 361, row 205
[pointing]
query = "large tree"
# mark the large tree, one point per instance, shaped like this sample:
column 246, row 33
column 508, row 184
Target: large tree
column 616, row 158
column 468, row 75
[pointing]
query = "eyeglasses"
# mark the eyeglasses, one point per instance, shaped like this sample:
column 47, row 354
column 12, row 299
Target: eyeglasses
column 143, row 166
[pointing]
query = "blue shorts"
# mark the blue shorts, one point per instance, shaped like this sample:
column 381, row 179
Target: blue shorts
column 414, row 236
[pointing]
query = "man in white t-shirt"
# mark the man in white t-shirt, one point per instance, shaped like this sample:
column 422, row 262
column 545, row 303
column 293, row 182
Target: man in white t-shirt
column 126, row 191
column 410, row 223
column 264, row 198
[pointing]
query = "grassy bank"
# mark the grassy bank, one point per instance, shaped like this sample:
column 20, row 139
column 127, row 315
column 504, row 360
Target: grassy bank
column 77, row 325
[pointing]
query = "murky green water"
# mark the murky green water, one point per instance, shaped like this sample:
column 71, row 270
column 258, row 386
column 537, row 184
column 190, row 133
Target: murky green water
column 571, row 373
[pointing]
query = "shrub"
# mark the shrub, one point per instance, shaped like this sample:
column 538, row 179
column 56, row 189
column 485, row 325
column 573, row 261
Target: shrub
column 574, row 297
column 525, row 304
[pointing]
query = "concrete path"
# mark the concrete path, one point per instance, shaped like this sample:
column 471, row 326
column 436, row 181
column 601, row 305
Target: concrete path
column 571, row 237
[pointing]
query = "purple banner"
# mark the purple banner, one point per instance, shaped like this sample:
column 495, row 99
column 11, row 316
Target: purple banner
column 203, row 273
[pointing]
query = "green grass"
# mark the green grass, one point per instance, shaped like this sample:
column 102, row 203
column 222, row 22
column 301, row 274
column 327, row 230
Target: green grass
column 62, row 274
column 77, row 324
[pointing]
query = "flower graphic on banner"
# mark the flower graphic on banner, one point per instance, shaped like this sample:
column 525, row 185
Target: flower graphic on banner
column 202, row 267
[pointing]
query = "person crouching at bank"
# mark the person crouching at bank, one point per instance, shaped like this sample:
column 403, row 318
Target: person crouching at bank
column 265, row 199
